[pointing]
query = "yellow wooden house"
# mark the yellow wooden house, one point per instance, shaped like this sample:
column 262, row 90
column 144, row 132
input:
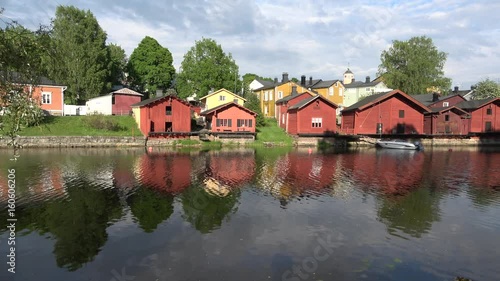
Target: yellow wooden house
column 220, row 97
column 332, row 90
column 268, row 95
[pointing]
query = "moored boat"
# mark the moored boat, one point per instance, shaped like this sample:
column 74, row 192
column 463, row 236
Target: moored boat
column 399, row 144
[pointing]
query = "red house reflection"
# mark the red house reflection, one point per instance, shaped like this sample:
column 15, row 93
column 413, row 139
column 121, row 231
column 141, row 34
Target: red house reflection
column 232, row 168
column 167, row 172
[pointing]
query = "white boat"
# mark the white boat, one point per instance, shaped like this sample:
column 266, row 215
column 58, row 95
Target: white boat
column 399, row 144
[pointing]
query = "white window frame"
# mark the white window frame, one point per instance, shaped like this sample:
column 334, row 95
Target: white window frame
column 446, row 104
column 270, row 95
column 330, row 91
column 317, row 122
column 280, row 94
column 46, row 94
column 222, row 98
column 266, row 96
column 341, row 92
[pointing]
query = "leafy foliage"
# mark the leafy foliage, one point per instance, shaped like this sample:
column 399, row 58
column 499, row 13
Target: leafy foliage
column 487, row 89
column 206, row 66
column 80, row 57
column 21, row 53
column 150, row 66
column 414, row 66
column 253, row 103
column 117, row 65
column 101, row 122
column 150, row 208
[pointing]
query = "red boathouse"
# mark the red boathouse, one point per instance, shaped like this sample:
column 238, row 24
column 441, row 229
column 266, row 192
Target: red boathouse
column 283, row 104
column 163, row 116
column 392, row 112
column 446, row 121
column 485, row 114
column 230, row 117
column 312, row 116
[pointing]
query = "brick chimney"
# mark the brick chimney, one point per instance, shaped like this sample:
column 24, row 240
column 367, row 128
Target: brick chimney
column 310, row 80
column 294, row 91
column 303, row 80
column 367, row 79
column 285, row 77
column 455, row 90
column 435, row 97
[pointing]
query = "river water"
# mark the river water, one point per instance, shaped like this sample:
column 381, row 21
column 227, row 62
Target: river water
column 245, row 214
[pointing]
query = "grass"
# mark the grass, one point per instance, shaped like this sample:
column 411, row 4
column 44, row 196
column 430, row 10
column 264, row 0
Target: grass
column 80, row 126
column 272, row 133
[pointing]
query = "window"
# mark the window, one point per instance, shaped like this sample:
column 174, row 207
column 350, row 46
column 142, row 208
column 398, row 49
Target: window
column 222, row 98
column 341, row 92
column 283, row 118
column 487, row 126
column 401, row 114
column 446, row 104
column 489, row 111
column 367, row 89
column 235, row 100
column 330, row 91
column 266, row 95
column 317, row 122
column 244, row 122
column 270, row 95
column 280, row 94
column 113, row 99
column 168, row 110
column 46, row 97
column 265, row 109
column 223, row 123
column 447, row 118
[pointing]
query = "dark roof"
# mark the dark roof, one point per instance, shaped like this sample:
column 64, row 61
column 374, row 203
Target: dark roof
column 348, row 71
column 155, row 99
column 324, row 84
column 361, row 84
column 225, row 105
column 441, row 109
column 305, row 102
column 474, row 104
column 365, row 101
column 290, row 97
column 379, row 97
column 265, row 83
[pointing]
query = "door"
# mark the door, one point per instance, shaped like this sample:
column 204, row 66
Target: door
column 151, row 126
column 487, row 126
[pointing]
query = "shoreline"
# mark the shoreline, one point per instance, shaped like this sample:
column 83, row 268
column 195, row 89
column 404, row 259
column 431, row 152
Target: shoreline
column 109, row 142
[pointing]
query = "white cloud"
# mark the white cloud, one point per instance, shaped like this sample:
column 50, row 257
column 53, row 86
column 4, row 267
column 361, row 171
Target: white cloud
column 315, row 38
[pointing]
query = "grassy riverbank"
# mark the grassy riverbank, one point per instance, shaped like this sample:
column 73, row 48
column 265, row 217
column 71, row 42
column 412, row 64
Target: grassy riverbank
column 272, row 133
column 119, row 126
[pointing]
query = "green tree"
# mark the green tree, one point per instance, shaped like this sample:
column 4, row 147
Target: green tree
column 117, row 65
column 150, row 208
column 253, row 103
column 21, row 53
column 206, row 66
column 487, row 89
column 150, row 66
column 414, row 66
column 80, row 58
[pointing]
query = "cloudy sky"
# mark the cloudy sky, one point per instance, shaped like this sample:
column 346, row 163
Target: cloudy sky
column 317, row 38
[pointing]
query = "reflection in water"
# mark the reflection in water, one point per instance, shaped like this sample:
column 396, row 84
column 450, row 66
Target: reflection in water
column 253, row 214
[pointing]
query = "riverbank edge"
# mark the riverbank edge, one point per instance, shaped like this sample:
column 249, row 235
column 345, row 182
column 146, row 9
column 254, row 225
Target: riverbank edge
column 107, row 141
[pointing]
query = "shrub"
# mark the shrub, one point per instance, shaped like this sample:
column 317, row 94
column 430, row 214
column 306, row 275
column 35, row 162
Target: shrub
column 101, row 122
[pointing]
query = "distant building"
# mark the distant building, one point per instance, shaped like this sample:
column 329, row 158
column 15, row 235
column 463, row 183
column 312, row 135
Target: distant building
column 220, row 97
column 115, row 103
column 356, row 90
column 485, row 114
column 230, row 117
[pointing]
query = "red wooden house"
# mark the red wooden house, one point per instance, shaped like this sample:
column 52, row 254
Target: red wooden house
column 392, row 112
column 122, row 99
column 166, row 115
column 230, row 117
column 312, row 116
column 283, row 104
column 437, row 100
column 446, row 120
column 484, row 115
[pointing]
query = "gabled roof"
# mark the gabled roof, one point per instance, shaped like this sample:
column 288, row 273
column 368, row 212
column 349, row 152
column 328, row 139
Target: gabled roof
column 443, row 109
column 265, row 83
column 475, row 104
column 16, row 77
column 373, row 99
column 361, row 84
column 206, row 112
column 324, row 84
column 305, row 102
column 158, row 99
column 127, row 91
column 427, row 99
column 222, row 90
column 290, row 97
column 348, row 71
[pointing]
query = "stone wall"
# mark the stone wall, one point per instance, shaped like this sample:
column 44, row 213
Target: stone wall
column 85, row 141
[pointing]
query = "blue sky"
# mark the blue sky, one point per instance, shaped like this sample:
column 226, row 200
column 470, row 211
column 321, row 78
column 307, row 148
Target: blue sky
column 317, row 38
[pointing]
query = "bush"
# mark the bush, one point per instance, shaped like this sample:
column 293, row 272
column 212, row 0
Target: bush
column 101, row 122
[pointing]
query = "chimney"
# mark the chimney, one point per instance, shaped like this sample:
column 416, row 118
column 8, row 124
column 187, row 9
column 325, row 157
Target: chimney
column 294, row 90
column 310, row 80
column 456, row 89
column 435, row 97
column 367, row 80
column 285, row 77
column 275, row 80
column 159, row 92
column 303, row 80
